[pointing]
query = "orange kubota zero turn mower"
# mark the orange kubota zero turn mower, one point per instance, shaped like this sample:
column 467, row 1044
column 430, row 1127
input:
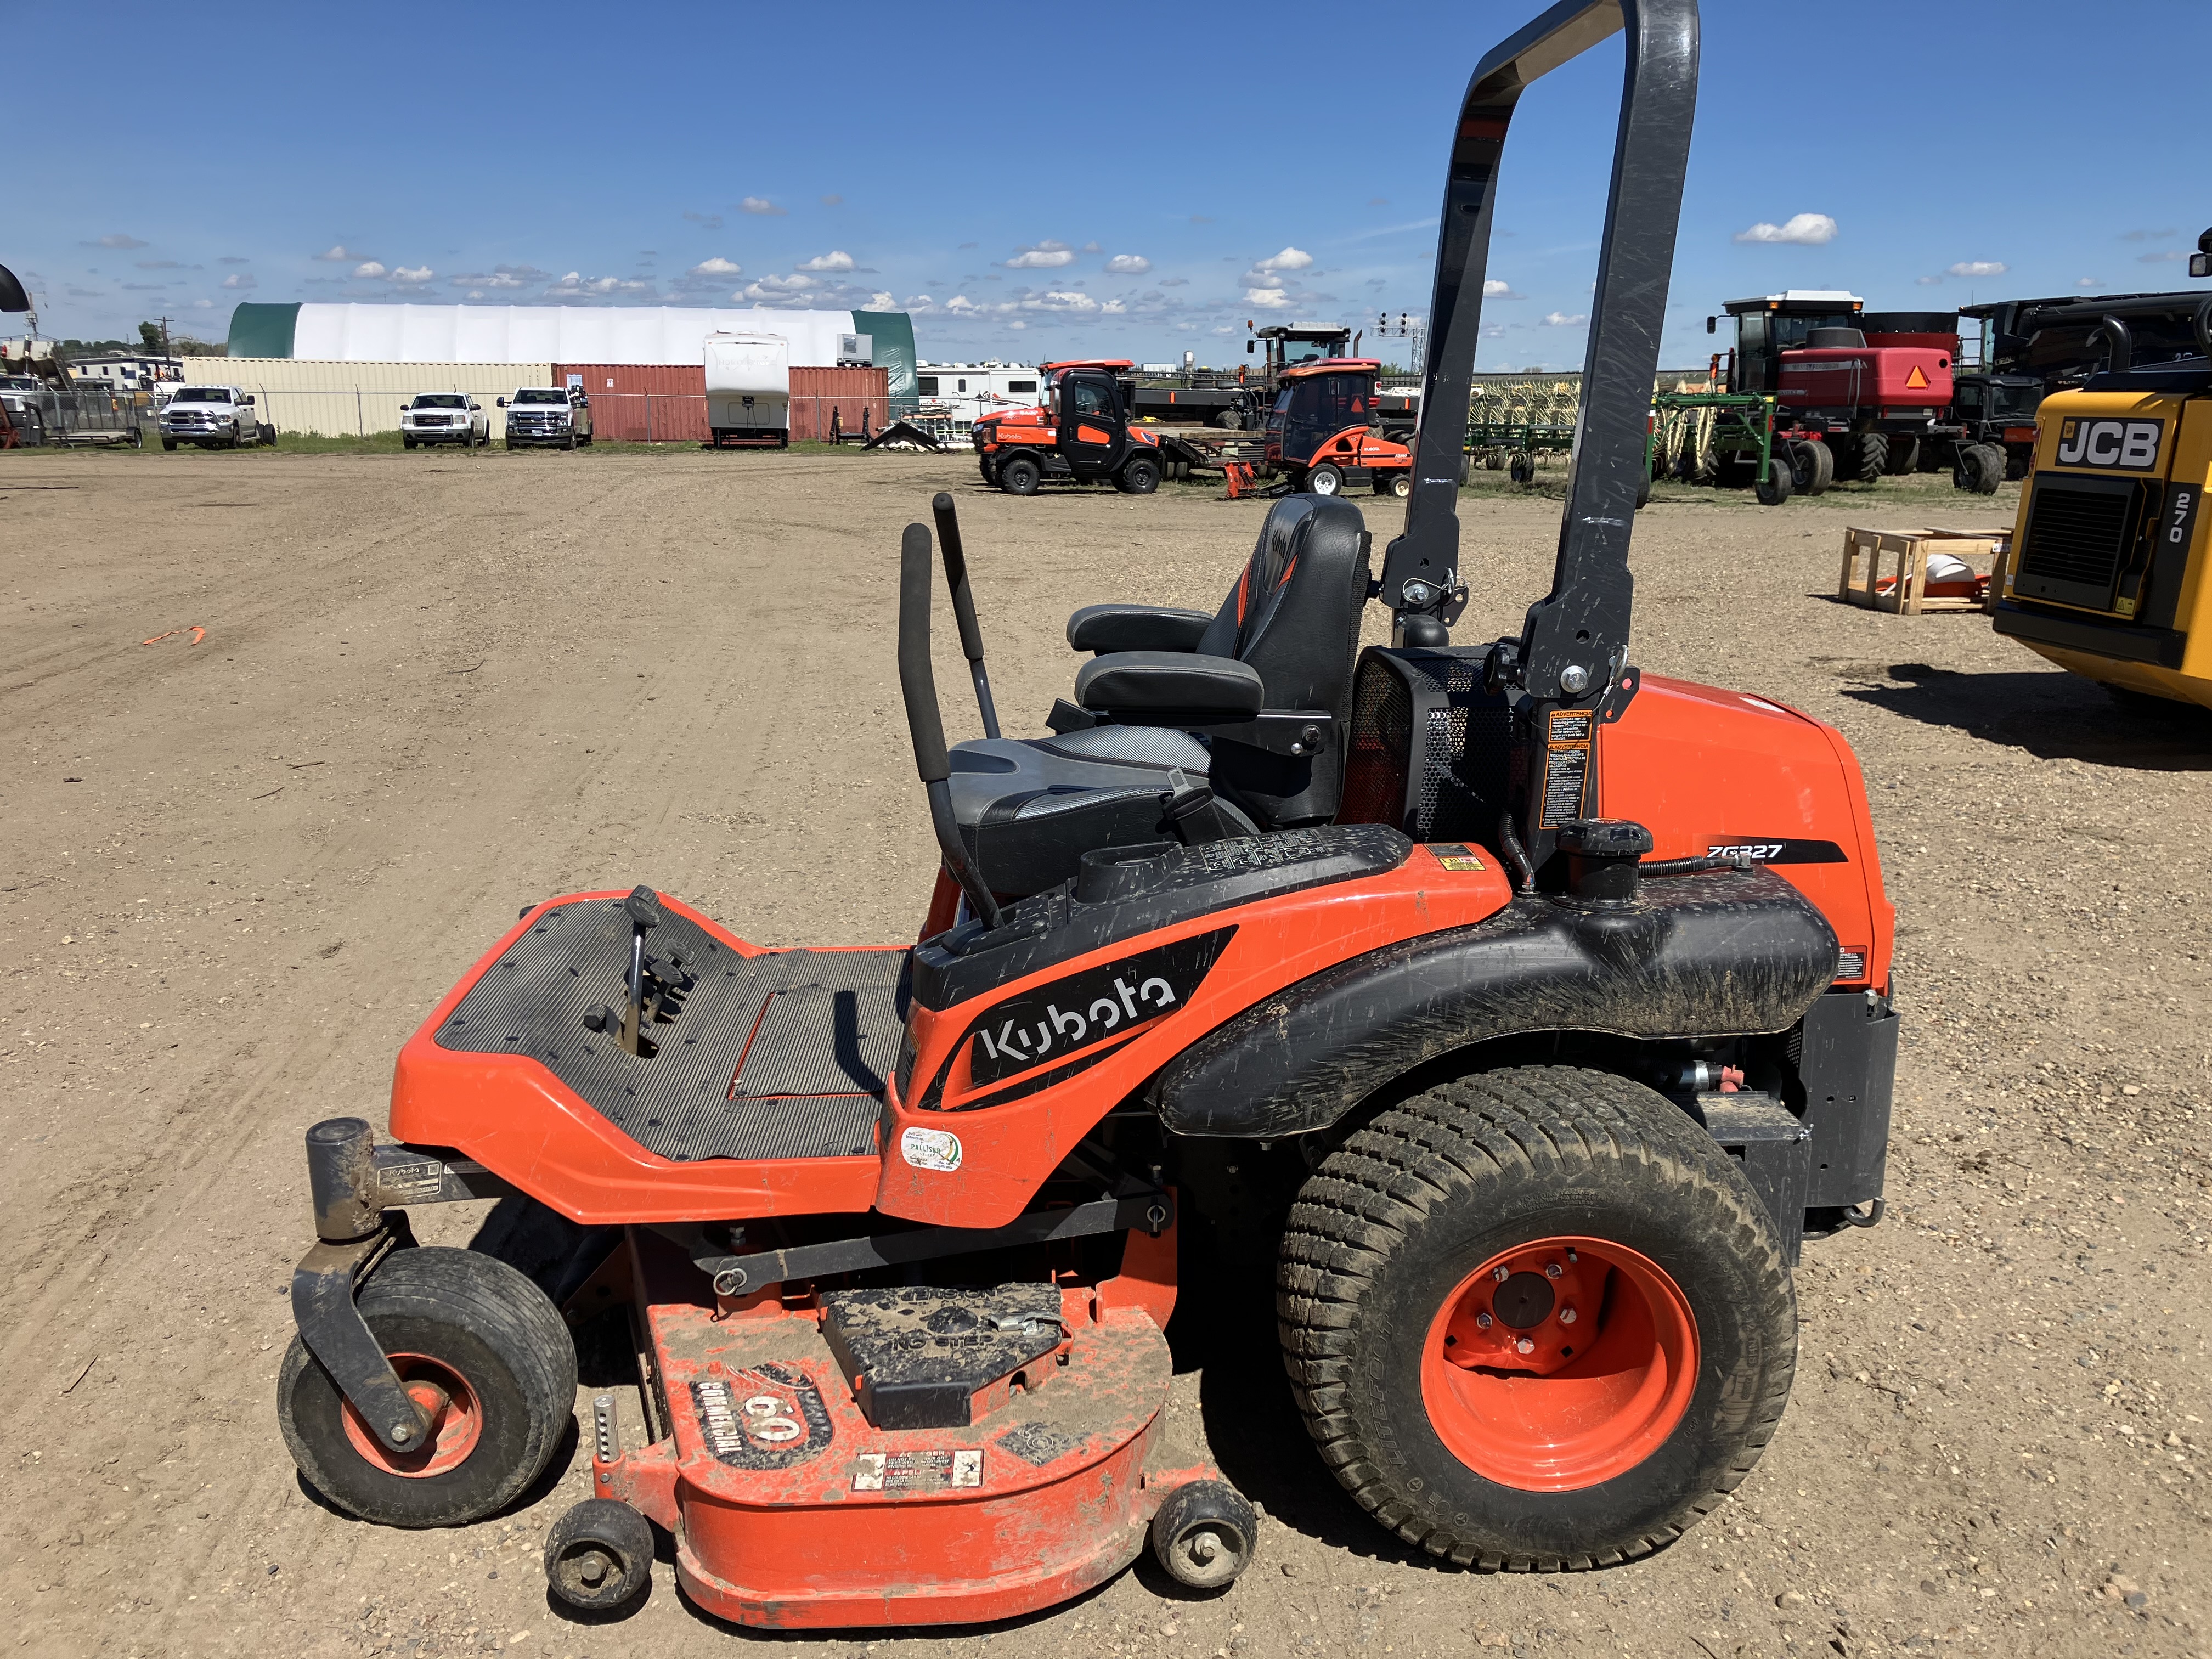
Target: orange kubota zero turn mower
column 1563, row 990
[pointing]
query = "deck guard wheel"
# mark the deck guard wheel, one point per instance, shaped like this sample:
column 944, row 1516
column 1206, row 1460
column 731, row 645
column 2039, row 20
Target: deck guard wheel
column 1020, row 475
column 1203, row 1535
column 1608, row 1406
column 598, row 1555
column 483, row 1351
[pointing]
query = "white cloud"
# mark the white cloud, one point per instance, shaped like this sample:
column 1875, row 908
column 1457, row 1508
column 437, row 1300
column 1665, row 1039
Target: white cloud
column 1175, row 282
column 1060, row 300
column 758, row 204
column 240, row 279
column 118, row 240
column 1267, row 299
column 1290, row 259
column 915, row 302
column 2160, row 258
column 776, row 290
column 1018, row 322
column 961, row 302
column 1493, row 289
column 340, row 254
column 1046, row 255
column 368, row 269
column 1928, row 281
column 1128, row 265
column 413, row 274
column 1977, row 267
column 1092, row 247
column 880, row 301
column 836, row 260
column 1560, row 320
column 2088, row 282
column 1809, row 229
column 574, row 285
column 475, row 293
column 717, row 266
column 2145, row 235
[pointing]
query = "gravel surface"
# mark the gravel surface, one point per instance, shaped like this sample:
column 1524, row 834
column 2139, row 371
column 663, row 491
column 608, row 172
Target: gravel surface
column 237, row 872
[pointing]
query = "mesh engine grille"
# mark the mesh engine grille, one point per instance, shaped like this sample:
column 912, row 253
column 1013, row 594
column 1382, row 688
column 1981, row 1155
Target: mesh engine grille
column 816, row 1032
column 2074, row 543
column 1382, row 740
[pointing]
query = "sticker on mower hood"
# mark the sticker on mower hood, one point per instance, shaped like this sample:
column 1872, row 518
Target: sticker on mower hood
column 1069, row 1025
column 1775, row 849
column 931, row 1149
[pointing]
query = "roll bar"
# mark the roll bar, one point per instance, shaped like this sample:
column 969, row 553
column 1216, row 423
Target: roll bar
column 1574, row 643
column 963, row 607
column 925, row 725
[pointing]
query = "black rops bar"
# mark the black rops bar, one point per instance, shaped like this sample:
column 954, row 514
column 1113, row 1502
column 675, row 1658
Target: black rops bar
column 963, row 607
column 925, row 724
column 1583, row 622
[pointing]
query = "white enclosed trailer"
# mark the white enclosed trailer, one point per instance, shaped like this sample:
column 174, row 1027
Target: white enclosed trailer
column 748, row 389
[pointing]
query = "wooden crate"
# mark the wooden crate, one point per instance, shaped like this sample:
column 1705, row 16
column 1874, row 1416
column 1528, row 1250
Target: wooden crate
column 1902, row 556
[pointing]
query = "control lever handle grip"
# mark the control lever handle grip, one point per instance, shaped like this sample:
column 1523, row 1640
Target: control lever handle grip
column 643, row 907
column 963, row 607
column 917, row 681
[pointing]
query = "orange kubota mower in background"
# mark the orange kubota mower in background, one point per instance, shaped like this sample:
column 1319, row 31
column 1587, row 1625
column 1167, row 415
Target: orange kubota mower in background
column 1552, row 998
column 1325, row 433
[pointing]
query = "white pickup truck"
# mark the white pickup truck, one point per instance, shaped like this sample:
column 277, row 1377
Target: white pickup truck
column 548, row 415
column 213, row 418
column 444, row 417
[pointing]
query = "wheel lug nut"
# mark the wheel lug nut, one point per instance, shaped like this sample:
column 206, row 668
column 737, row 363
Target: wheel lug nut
column 1499, row 1274
column 1552, row 1270
column 1482, row 1321
column 1566, row 1316
column 1524, row 1345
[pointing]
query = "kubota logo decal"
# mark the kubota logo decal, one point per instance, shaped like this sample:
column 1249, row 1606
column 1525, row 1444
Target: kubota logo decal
column 1072, row 1013
column 2128, row 446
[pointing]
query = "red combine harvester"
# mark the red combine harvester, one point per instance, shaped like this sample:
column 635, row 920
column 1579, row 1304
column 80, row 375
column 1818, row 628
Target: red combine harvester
column 1325, row 431
column 1858, row 393
column 1558, row 993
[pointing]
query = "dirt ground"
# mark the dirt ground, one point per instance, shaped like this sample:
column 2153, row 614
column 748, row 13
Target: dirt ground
column 236, row 870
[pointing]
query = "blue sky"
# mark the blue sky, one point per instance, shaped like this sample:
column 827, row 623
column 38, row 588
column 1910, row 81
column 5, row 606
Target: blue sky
column 1048, row 180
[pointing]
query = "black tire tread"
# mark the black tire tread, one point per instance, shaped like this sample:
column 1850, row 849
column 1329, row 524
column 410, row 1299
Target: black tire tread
column 502, row 1307
column 1355, row 1211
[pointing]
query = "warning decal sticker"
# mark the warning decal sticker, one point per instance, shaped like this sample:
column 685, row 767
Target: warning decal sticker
column 1566, row 766
column 1455, row 855
column 917, row 1471
column 768, row 1417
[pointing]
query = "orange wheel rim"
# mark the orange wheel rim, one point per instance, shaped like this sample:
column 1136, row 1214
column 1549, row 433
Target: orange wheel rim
column 1559, row 1363
column 456, row 1420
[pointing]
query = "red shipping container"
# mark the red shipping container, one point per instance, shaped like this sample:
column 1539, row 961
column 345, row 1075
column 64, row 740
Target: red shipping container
column 642, row 402
column 849, row 393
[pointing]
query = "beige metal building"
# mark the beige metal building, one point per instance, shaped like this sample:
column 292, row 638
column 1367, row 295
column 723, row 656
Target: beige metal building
column 332, row 399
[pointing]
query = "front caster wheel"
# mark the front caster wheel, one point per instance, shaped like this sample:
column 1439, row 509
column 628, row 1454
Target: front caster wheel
column 598, row 1555
column 482, row 1350
column 1536, row 1319
column 1203, row 1535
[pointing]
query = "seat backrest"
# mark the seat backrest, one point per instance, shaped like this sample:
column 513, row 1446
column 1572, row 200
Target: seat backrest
column 1294, row 615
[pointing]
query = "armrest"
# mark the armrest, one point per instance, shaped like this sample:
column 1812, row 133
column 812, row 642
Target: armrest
column 1160, row 682
column 1103, row 628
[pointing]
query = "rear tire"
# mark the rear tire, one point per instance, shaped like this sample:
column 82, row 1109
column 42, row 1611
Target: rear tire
column 1873, row 456
column 1905, row 458
column 407, row 443
column 1020, row 476
column 1140, row 475
column 1389, row 1259
column 1808, row 466
column 481, row 1333
column 1984, row 468
column 169, row 443
column 1398, row 484
column 1324, row 480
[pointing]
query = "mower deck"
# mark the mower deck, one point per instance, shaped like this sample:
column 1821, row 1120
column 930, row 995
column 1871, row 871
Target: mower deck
column 817, row 1516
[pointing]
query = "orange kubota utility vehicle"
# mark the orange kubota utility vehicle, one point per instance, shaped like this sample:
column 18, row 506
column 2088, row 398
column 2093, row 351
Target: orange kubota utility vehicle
column 1079, row 431
column 1562, row 990
column 1326, row 432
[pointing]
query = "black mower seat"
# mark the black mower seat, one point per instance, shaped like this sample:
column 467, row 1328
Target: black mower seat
column 1283, row 640
column 1029, row 809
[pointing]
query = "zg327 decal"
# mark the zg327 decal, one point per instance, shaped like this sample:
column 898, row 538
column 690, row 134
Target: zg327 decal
column 1763, row 849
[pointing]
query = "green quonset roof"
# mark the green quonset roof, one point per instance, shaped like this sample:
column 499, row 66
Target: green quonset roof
column 263, row 331
column 893, row 346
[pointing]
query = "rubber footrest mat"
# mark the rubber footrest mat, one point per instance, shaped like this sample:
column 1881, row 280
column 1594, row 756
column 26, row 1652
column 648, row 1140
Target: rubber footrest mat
column 778, row 1055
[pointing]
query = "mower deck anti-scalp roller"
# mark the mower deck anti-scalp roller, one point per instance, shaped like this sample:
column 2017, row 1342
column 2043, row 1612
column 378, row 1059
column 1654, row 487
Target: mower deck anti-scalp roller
column 1547, row 1001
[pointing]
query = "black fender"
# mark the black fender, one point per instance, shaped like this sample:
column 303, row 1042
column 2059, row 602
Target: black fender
column 1730, row 953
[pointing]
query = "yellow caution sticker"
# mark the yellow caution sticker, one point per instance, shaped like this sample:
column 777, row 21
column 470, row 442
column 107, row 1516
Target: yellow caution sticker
column 1455, row 855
